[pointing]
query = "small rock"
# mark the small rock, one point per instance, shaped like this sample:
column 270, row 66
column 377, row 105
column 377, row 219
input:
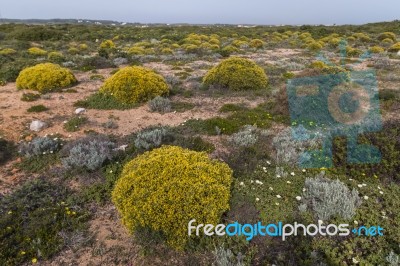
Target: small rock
column 121, row 148
column 79, row 111
column 37, row 125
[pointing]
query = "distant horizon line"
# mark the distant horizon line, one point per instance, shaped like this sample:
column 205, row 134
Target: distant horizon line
column 121, row 23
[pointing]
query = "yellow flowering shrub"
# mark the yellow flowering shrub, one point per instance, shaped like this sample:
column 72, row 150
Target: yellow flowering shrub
column 256, row 43
column 236, row 73
column 7, row 51
column 387, row 35
column 376, row 49
column 55, row 57
column 167, row 187
column 37, row 51
column 83, row 47
column 135, row 84
column 395, row 47
column 73, row 51
column 136, row 50
column 107, row 44
column 45, row 78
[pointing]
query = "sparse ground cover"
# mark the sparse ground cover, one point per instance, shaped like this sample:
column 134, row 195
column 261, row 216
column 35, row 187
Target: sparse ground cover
column 159, row 92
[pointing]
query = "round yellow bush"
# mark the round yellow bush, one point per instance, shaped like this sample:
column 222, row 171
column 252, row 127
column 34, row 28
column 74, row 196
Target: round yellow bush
column 257, row 44
column 45, row 78
column 37, row 51
column 135, row 84
column 164, row 189
column 7, row 51
column 236, row 73
column 387, row 35
column 376, row 49
column 107, row 44
column 395, row 47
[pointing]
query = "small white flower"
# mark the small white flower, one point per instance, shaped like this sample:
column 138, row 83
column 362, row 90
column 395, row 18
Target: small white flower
column 268, row 162
column 364, row 185
column 366, row 197
column 44, row 152
column 381, row 192
column 379, row 187
column 241, row 183
column 111, row 171
column 304, row 170
column 277, row 203
column 264, row 168
column 278, row 176
column 288, row 182
column 257, row 199
column 55, row 139
column 304, row 190
column 271, row 188
column 355, row 222
column 278, row 196
column 360, row 186
column 355, row 261
column 350, row 179
column 51, row 152
column 298, row 198
column 292, row 174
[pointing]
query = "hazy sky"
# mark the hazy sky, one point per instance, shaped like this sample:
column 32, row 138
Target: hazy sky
column 209, row 11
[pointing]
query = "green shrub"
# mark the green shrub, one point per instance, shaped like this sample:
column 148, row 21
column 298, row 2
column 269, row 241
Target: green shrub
column 156, row 192
column 35, row 222
column 30, row 97
column 6, row 150
column 56, row 57
column 228, row 50
column 236, row 74
column 74, row 124
column 103, row 101
column 45, row 78
column 9, row 71
column 37, row 108
column 135, row 84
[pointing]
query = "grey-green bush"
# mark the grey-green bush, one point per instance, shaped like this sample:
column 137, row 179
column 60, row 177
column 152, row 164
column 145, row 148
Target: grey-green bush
column 39, row 146
column 330, row 198
column 246, row 137
column 225, row 257
column 160, row 104
column 88, row 153
column 150, row 138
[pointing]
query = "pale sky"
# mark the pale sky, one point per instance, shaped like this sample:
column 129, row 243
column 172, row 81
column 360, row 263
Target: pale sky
column 208, row 11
